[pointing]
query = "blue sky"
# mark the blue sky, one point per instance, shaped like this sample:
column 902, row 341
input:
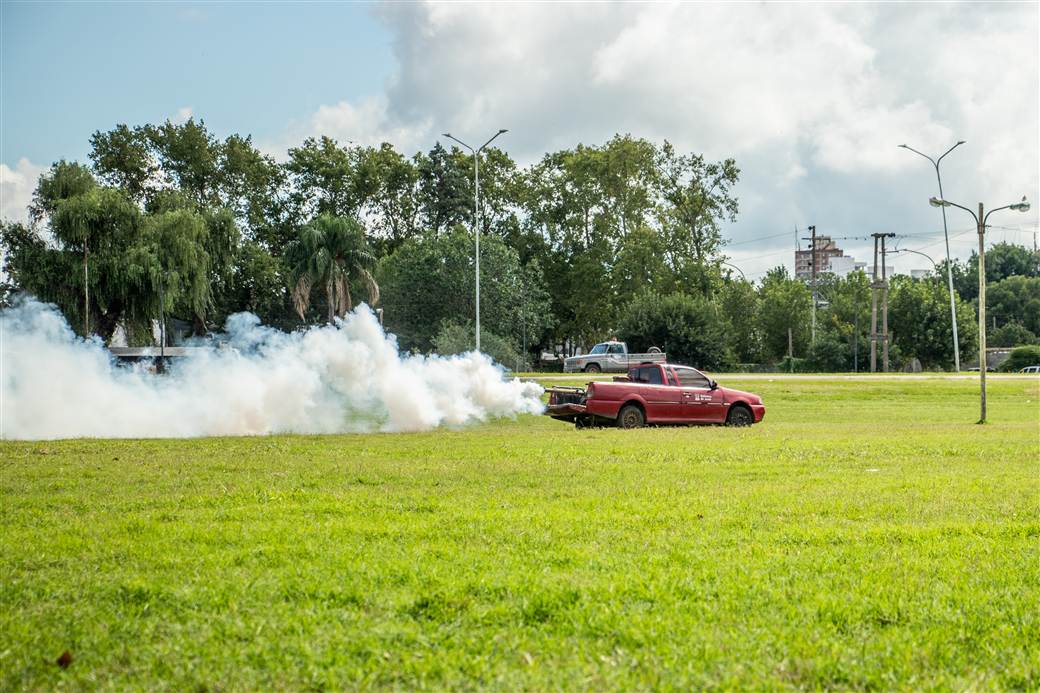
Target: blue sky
column 73, row 68
column 810, row 99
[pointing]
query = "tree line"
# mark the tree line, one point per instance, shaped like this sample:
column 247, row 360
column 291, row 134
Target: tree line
column 619, row 239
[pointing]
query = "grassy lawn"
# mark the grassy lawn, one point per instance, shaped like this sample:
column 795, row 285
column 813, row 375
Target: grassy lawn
column 867, row 535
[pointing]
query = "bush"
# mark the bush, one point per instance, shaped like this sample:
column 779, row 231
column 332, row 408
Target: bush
column 793, row 365
column 1020, row 358
column 829, row 355
column 1011, row 335
column 457, row 338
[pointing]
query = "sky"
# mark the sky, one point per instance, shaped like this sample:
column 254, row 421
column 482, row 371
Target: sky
column 810, row 99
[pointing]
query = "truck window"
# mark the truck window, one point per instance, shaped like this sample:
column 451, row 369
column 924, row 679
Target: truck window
column 691, row 378
column 599, row 349
column 615, row 349
column 648, row 374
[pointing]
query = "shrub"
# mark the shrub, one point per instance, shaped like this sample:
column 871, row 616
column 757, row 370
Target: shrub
column 1010, row 335
column 1020, row 358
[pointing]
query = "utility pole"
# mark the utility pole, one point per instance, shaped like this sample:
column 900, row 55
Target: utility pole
column 790, row 350
column 882, row 286
column 855, row 337
column 873, row 310
column 981, row 219
column 884, row 304
column 855, row 343
column 812, row 247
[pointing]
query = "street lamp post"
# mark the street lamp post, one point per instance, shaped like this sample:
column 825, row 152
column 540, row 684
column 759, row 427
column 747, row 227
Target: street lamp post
column 916, row 252
column 728, row 264
column 476, row 214
column 980, row 223
column 949, row 267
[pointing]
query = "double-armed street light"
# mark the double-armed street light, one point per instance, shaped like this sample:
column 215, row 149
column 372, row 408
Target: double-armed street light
column 949, row 267
column 980, row 223
column 476, row 213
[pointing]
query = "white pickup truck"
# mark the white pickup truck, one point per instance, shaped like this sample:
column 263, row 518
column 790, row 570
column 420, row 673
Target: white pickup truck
column 611, row 357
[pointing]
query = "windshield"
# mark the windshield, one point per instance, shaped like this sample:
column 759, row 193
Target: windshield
column 599, row 349
column 688, row 377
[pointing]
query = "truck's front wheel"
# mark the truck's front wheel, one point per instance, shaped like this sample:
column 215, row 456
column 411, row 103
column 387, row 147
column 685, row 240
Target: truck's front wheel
column 630, row 416
column 593, row 368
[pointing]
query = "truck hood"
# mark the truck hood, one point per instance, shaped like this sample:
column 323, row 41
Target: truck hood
column 731, row 394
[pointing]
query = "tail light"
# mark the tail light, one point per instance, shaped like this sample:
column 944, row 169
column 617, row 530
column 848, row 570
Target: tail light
column 591, row 392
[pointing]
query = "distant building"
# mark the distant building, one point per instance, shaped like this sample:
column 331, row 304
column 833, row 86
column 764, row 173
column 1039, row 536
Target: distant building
column 891, row 271
column 829, row 257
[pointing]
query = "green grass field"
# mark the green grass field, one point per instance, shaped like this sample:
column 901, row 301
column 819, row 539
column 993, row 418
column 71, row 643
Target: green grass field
column 867, row 535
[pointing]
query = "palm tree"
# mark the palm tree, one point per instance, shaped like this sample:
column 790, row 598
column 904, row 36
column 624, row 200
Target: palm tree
column 329, row 251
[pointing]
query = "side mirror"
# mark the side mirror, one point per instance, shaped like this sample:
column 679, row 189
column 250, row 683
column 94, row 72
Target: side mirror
column 712, row 385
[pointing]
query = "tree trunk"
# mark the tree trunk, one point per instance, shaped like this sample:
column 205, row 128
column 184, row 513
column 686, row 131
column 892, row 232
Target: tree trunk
column 330, row 294
column 86, row 292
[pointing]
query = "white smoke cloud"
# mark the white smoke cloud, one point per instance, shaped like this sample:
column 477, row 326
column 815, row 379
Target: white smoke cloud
column 344, row 378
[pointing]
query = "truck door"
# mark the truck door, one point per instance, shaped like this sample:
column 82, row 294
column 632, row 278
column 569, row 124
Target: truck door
column 663, row 402
column 617, row 359
column 700, row 404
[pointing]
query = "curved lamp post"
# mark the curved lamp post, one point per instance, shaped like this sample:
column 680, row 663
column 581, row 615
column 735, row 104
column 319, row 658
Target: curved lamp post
column 980, row 223
column 949, row 267
column 729, row 264
column 476, row 212
column 916, row 252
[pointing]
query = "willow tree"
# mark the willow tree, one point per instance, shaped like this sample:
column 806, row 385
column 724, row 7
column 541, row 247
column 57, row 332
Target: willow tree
column 330, row 252
column 82, row 268
column 176, row 265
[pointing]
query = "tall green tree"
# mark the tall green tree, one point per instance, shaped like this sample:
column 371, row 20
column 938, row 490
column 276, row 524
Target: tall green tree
column 430, row 281
column 92, row 227
column 324, row 179
column 919, row 321
column 1015, row 299
column 395, row 203
column 785, row 304
column 189, row 155
column 739, row 301
column 123, row 158
column 698, row 198
column 445, row 188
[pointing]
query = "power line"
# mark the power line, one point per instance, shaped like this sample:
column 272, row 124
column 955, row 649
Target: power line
column 751, row 240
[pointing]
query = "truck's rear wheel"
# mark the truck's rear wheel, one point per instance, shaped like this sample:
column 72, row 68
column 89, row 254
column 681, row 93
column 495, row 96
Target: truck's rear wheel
column 630, row 416
column 593, row 368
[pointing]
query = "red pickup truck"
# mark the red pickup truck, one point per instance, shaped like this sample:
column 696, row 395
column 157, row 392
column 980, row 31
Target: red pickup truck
column 655, row 394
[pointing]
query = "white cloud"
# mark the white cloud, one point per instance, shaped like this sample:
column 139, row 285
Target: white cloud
column 182, row 116
column 367, row 123
column 812, row 99
column 16, row 189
